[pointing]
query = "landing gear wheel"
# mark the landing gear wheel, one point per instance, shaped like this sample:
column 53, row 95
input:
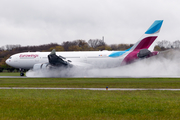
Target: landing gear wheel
column 21, row 71
column 21, row 74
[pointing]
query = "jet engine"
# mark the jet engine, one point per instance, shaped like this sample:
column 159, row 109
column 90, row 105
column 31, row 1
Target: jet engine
column 41, row 66
column 54, row 62
column 144, row 53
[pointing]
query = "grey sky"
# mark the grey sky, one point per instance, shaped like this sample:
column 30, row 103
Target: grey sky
column 36, row 22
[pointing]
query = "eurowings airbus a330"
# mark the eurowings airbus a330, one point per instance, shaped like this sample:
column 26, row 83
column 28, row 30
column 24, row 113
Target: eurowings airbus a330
column 99, row 59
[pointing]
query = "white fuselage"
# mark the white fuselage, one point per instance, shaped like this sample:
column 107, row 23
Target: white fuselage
column 98, row 59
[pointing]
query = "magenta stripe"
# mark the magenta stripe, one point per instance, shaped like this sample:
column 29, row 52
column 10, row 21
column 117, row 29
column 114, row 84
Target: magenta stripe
column 130, row 57
column 146, row 42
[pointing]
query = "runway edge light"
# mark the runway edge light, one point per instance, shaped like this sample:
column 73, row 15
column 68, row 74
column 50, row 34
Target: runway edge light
column 107, row 88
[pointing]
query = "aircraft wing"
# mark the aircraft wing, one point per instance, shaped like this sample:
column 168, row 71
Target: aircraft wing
column 55, row 60
column 58, row 61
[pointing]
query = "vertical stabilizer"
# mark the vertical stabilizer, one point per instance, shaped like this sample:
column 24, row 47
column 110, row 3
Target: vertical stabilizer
column 144, row 43
column 149, row 36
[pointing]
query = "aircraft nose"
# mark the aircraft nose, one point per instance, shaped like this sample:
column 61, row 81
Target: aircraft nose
column 8, row 61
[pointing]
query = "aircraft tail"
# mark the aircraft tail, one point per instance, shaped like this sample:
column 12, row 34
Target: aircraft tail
column 140, row 49
column 149, row 36
column 145, row 41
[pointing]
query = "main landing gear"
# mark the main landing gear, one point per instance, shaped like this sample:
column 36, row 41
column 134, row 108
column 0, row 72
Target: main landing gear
column 21, row 72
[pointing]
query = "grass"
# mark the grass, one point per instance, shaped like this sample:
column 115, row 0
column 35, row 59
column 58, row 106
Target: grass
column 92, row 82
column 9, row 73
column 92, row 105
column 86, row 104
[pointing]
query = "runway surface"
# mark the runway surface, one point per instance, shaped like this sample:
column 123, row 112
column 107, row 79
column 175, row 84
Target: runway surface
column 96, row 77
column 120, row 89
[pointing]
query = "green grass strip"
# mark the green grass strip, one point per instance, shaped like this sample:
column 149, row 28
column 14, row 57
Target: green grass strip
column 89, row 105
column 9, row 73
column 92, row 82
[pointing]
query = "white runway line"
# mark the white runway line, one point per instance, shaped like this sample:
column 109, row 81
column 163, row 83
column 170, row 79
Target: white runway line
column 120, row 89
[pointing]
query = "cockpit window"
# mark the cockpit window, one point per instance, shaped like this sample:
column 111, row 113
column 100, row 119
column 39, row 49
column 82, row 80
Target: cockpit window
column 10, row 57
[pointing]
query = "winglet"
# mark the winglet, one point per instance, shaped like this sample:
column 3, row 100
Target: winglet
column 53, row 52
column 155, row 27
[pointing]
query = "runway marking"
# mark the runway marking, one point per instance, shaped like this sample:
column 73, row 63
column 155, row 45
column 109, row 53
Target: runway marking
column 120, row 89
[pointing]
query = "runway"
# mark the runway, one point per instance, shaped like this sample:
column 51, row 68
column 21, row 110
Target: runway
column 96, row 77
column 111, row 89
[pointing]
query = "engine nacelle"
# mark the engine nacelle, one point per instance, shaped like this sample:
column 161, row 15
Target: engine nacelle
column 41, row 66
column 144, row 53
column 48, row 66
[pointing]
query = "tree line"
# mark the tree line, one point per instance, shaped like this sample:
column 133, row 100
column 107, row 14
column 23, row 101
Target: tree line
column 76, row 45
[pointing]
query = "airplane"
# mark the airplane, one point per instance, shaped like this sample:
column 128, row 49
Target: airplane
column 99, row 59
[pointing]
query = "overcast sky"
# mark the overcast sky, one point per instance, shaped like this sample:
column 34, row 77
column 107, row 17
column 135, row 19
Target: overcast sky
column 36, row 22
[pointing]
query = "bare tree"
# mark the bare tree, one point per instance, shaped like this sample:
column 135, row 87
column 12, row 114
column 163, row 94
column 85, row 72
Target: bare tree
column 165, row 44
column 10, row 47
column 96, row 43
column 114, row 47
column 176, row 44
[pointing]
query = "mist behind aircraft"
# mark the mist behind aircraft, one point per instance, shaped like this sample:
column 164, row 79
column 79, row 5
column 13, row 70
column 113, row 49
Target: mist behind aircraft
column 165, row 64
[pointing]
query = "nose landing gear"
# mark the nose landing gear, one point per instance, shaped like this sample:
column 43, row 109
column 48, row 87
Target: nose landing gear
column 21, row 72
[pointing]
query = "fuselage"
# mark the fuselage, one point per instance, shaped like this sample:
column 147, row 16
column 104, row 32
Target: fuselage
column 100, row 59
